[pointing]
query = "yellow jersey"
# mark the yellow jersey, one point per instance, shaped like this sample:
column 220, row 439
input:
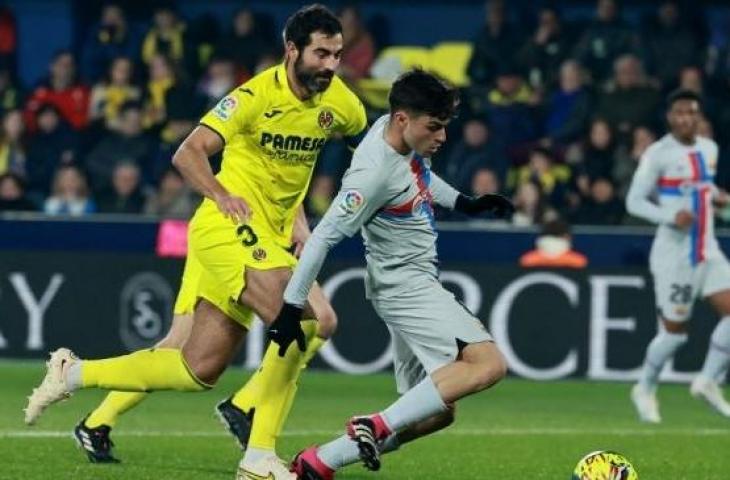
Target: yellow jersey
column 272, row 140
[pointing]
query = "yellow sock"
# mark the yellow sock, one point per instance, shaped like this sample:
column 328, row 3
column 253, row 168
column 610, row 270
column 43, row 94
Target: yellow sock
column 246, row 397
column 115, row 404
column 313, row 344
column 141, row 371
column 277, row 385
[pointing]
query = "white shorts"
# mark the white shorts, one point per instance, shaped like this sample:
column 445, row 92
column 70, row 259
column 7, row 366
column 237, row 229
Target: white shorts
column 429, row 327
column 677, row 285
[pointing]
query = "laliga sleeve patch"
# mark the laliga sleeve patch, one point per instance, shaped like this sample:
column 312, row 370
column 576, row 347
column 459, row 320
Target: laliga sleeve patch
column 351, row 201
column 225, row 108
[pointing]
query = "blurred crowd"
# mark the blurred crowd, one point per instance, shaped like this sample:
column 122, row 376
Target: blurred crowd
column 557, row 113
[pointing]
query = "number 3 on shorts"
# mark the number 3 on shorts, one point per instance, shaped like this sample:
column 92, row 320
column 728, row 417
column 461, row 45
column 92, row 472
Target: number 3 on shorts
column 247, row 236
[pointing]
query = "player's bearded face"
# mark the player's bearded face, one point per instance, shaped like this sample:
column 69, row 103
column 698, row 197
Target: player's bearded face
column 317, row 62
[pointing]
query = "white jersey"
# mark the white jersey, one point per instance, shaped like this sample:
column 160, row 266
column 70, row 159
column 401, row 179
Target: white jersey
column 671, row 177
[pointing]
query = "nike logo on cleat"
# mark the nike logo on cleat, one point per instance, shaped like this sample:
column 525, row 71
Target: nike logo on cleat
column 253, row 476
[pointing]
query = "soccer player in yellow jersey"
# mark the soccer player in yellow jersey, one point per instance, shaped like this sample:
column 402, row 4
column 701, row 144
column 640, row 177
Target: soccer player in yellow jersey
column 271, row 130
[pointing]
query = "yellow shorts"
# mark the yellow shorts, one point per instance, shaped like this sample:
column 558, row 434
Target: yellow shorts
column 187, row 296
column 219, row 253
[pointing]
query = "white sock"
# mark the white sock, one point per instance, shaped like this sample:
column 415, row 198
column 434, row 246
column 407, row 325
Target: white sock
column 253, row 455
column 718, row 354
column 418, row 403
column 73, row 376
column 342, row 451
column 661, row 349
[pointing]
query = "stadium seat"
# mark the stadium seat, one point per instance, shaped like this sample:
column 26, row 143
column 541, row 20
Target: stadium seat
column 391, row 62
column 450, row 60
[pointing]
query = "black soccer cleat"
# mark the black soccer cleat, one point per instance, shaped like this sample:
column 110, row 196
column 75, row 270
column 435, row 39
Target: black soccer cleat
column 363, row 431
column 238, row 422
column 95, row 442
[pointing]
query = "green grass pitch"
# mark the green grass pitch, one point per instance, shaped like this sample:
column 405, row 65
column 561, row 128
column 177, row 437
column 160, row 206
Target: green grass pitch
column 518, row 430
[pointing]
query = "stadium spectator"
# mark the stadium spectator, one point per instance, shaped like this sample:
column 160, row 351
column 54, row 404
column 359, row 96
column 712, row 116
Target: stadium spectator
column 630, row 100
column 531, row 206
column 494, row 45
column 167, row 37
column 553, row 178
column 112, row 37
column 220, row 78
column 173, row 199
column 70, row 193
column 625, row 165
column 567, row 108
column 484, row 181
column 601, row 207
column 126, row 192
column 474, row 150
column 162, row 78
column 553, row 249
column 52, row 145
column 358, row 51
column 127, row 142
column 670, row 44
column 8, row 39
column 595, row 157
column 246, row 44
column 604, row 40
column 63, row 90
column 11, row 95
column 12, row 143
column 108, row 96
column 545, row 51
column 12, row 194
column 510, row 108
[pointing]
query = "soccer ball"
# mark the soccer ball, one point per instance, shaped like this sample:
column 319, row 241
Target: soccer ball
column 604, row 465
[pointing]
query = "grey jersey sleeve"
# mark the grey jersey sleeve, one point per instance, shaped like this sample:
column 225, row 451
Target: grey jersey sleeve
column 443, row 193
column 361, row 196
column 643, row 185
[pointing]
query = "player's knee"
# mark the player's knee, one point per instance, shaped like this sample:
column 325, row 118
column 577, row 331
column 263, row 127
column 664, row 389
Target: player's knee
column 204, row 370
column 326, row 322
column 489, row 372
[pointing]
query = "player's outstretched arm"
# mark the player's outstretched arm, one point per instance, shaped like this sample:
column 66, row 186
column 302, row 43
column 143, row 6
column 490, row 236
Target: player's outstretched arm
column 191, row 159
column 286, row 328
column 643, row 186
column 447, row 196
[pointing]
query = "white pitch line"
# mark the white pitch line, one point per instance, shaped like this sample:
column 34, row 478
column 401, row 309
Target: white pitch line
column 703, row 432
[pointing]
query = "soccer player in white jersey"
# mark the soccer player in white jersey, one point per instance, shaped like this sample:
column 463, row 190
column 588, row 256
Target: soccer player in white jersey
column 673, row 187
column 442, row 351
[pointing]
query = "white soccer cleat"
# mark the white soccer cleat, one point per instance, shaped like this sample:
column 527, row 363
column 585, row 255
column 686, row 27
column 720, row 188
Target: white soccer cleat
column 646, row 404
column 710, row 391
column 268, row 468
column 53, row 387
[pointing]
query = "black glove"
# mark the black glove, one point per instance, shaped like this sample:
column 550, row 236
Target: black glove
column 497, row 205
column 286, row 329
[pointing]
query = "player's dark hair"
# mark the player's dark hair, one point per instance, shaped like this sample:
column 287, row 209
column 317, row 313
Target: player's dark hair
column 683, row 94
column 307, row 20
column 420, row 92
